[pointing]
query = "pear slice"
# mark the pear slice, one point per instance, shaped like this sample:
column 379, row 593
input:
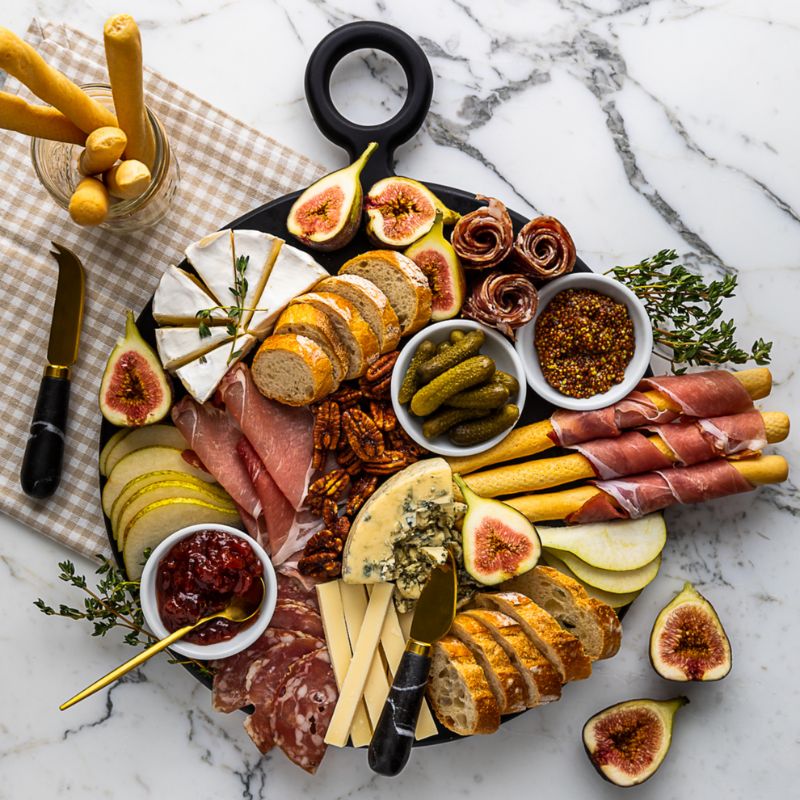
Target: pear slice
column 619, row 582
column 609, row 598
column 149, row 436
column 109, row 446
column 139, row 462
column 618, row 545
column 153, row 523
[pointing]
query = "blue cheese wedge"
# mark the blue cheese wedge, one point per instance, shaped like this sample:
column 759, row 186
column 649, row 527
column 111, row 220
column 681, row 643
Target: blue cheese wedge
column 178, row 298
column 202, row 376
column 179, row 346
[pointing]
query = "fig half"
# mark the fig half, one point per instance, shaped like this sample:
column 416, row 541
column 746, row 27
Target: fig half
column 498, row 541
column 688, row 642
column 134, row 390
column 628, row 742
column 326, row 216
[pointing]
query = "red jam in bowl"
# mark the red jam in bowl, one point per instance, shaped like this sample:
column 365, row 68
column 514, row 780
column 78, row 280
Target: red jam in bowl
column 199, row 576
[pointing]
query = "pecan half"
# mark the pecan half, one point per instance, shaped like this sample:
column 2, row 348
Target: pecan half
column 324, row 541
column 327, row 427
column 322, row 555
column 330, row 512
column 348, row 460
column 400, row 440
column 382, row 367
column 360, row 491
column 362, row 434
column 388, row 463
column 346, row 397
column 382, row 415
column 331, row 485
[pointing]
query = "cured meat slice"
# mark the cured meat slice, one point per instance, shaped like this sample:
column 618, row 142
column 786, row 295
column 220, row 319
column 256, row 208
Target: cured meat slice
column 736, row 434
column 687, row 442
column 213, row 437
column 483, row 238
column 637, row 409
column 627, row 454
column 282, row 436
column 571, row 427
column 264, row 677
column 256, row 527
column 598, row 509
column 545, row 249
column 502, row 301
column 702, row 394
column 296, row 615
column 303, row 709
column 290, row 588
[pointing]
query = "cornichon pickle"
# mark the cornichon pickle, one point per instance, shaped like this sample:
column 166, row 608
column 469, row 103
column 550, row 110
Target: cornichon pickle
column 443, row 420
column 456, row 336
column 488, row 397
column 482, row 429
column 452, row 355
column 410, row 382
column 509, row 381
column 468, row 373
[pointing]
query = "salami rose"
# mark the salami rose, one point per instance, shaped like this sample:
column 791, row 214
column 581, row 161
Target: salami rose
column 483, row 238
column 502, row 301
column 545, row 249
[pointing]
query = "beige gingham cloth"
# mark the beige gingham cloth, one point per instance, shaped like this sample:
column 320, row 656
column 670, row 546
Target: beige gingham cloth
column 227, row 168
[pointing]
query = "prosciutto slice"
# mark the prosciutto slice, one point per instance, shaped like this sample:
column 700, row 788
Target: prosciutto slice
column 702, row 394
column 213, row 437
column 628, row 454
column 736, row 434
column 282, row 436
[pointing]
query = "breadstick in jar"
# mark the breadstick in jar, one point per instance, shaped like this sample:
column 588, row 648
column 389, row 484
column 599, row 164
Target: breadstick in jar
column 89, row 202
column 128, row 179
column 103, row 148
column 43, row 122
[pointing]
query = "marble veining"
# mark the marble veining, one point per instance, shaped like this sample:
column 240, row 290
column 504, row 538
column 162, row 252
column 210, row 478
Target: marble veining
column 642, row 124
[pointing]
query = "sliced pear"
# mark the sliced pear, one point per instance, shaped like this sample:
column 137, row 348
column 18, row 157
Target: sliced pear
column 140, row 462
column 149, row 436
column 618, row 545
column 609, row 598
column 158, row 520
column 109, row 446
column 632, row 580
column 164, row 490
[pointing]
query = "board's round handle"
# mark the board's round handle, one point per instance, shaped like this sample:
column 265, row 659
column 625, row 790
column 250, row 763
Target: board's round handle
column 390, row 134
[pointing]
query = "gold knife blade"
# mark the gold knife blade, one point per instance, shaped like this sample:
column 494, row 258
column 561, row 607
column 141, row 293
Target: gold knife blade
column 65, row 328
column 436, row 606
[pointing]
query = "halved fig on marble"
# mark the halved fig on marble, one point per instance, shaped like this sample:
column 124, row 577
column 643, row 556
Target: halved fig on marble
column 688, row 642
column 326, row 216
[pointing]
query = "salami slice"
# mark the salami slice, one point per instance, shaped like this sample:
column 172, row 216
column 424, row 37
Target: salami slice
column 483, row 238
column 290, row 588
column 545, row 249
column 303, row 709
column 503, row 301
column 297, row 616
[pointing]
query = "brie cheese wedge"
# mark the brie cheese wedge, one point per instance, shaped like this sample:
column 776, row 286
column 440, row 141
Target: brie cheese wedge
column 179, row 346
column 179, row 297
column 202, row 376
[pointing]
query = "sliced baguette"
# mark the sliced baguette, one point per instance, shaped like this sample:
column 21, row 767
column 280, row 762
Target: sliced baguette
column 505, row 681
column 542, row 681
column 305, row 320
column 458, row 691
column 562, row 649
column 355, row 335
column 292, row 369
column 371, row 303
column 401, row 280
column 595, row 624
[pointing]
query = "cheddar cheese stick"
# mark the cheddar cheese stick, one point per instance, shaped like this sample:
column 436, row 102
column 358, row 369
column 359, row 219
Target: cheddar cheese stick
column 535, row 438
column 89, row 202
column 104, row 147
column 128, row 179
column 19, row 59
column 559, row 505
column 544, row 473
column 44, row 122
column 124, row 58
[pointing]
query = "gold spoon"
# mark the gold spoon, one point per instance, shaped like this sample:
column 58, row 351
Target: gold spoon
column 237, row 611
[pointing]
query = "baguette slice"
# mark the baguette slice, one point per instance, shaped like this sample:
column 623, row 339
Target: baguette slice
column 305, row 320
column 401, row 280
column 371, row 303
column 562, row 649
column 542, row 681
column 355, row 335
column 458, row 691
column 292, row 369
column 505, row 681
column 594, row 623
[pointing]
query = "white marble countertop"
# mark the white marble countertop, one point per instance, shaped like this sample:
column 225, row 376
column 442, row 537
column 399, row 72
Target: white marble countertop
column 641, row 125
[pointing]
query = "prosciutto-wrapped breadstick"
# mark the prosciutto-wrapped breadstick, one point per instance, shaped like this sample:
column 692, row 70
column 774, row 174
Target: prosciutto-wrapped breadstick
column 631, row 498
column 44, row 122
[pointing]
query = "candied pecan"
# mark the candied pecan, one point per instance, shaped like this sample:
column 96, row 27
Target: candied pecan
column 400, row 440
column 362, row 434
column 382, row 367
column 324, row 541
column 382, row 415
column 362, row 488
column 346, row 396
column 342, row 527
column 332, row 484
column 320, row 565
column 330, row 512
column 327, row 425
column 388, row 463
column 318, row 458
column 379, row 390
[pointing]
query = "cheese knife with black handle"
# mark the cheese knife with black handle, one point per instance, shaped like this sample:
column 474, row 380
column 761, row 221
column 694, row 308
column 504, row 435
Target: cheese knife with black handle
column 394, row 734
column 44, row 453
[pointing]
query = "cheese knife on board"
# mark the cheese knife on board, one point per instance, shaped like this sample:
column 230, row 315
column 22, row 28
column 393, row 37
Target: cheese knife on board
column 44, row 452
column 394, row 734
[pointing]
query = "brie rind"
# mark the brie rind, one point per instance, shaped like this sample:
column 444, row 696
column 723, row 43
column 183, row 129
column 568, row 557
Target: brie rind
column 213, row 258
column 293, row 273
column 202, row 376
column 179, row 297
column 179, row 346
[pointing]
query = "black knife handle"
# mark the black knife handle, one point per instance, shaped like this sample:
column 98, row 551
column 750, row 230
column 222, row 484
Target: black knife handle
column 394, row 735
column 44, row 453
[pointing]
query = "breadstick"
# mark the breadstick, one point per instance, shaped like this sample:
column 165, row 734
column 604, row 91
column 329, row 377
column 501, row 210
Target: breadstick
column 535, row 438
column 128, row 180
column 544, row 473
column 124, row 58
column 89, row 202
column 559, row 505
column 44, row 122
column 103, row 147
column 19, row 59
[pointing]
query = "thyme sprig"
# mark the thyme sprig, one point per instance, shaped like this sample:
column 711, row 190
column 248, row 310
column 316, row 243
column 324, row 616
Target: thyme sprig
column 685, row 313
column 112, row 604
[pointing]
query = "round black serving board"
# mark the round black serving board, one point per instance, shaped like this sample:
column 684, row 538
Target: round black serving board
column 271, row 218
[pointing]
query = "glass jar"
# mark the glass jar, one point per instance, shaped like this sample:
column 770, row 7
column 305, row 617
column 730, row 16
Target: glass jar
column 56, row 166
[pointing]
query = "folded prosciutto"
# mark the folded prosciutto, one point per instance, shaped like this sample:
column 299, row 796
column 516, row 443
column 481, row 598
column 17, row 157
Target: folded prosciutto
column 700, row 394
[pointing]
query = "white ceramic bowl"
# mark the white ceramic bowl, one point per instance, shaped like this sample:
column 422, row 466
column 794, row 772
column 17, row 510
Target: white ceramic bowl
column 637, row 366
column 204, row 652
column 496, row 347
